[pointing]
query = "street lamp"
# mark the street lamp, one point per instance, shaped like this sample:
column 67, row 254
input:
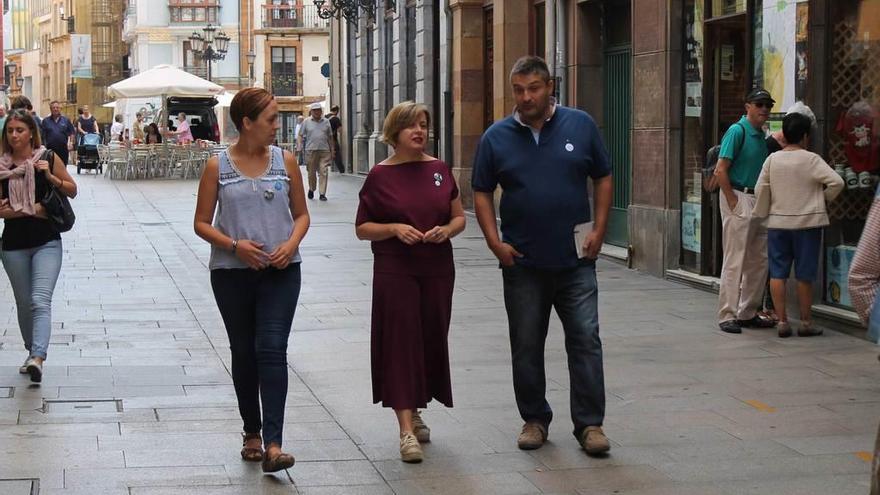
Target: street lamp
column 251, row 57
column 348, row 9
column 210, row 47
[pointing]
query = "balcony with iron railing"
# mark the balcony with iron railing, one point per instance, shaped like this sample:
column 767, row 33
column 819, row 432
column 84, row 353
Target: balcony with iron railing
column 293, row 16
column 284, row 83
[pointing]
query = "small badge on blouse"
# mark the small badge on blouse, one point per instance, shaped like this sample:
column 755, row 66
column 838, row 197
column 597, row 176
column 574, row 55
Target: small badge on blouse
column 438, row 179
column 569, row 147
column 277, row 185
column 269, row 194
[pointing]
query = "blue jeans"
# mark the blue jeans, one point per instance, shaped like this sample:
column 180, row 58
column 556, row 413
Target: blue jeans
column 33, row 274
column 529, row 295
column 257, row 309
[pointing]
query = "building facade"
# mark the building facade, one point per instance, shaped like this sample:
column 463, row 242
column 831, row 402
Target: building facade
column 291, row 44
column 662, row 78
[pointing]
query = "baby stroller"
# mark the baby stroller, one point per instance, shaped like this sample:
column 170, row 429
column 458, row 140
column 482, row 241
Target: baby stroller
column 87, row 153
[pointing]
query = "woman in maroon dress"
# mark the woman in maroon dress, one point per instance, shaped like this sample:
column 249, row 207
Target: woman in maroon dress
column 409, row 209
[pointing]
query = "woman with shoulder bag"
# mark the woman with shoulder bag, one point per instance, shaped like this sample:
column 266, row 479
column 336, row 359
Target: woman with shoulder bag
column 31, row 244
column 256, row 190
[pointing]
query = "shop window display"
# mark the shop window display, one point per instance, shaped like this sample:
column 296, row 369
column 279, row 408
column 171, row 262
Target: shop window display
column 852, row 133
column 694, row 146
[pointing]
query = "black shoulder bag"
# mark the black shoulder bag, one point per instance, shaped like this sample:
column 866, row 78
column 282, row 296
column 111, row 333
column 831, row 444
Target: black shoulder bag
column 57, row 205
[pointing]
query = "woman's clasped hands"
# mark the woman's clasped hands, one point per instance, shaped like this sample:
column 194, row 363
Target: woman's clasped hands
column 410, row 235
column 252, row 254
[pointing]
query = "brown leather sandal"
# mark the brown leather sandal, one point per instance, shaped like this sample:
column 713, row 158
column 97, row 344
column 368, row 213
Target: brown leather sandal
column 251, row 454
column 278, row 462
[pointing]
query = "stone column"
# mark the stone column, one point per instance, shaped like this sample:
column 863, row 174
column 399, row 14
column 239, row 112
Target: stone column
column 510, row 34
column 360, row 141
column 467, row 89
column 654, row 212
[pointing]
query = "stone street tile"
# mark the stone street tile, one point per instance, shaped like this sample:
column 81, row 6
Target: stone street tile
column 263, row 489
column 337, row 473
column 100, row 479
column 611, row 479
column 346, row 490
column 488, row 484
column 453, row 467
column 829, row 444
column 769, row 468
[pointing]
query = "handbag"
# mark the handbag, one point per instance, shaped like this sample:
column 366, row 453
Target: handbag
column 58, row 209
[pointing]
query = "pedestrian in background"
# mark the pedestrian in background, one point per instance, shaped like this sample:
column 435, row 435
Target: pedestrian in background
column 87, row 124
column 256, row 190
column 137, row 129
column 183, row 131
column 409, row 209
column 31, row 245
column 153, row 136
column 335, row 124
column 117, row 128
column 792, row 192
column 23, row 102
column 864, row 282
column 744, row 237
column 58, row 132
column 298, row 141
column 543, row 157
column 317, row 138
column 2, row 115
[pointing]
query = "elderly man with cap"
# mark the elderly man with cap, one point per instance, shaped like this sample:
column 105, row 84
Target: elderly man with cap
column 319, row 146
column 744, row 237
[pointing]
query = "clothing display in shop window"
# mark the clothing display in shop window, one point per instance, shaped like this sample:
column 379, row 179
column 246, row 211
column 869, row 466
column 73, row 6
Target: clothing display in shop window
column 858, row 128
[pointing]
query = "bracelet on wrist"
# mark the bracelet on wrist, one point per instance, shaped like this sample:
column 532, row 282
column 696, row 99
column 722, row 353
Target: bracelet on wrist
column 234, row 245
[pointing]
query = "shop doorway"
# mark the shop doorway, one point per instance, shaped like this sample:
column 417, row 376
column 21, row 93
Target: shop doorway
column 617, row 111
column 727, row 69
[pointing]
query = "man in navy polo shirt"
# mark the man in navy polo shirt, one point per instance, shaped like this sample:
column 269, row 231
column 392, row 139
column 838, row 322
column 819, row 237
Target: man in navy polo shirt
column 57, row 132
column 543, row 157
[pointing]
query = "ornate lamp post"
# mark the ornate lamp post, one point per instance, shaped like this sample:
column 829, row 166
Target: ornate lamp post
column 251, row 57
column 11, row 67
column 346, row 9
column 210, row 47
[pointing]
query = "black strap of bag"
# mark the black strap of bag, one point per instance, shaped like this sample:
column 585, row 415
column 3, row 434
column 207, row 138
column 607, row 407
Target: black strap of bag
column 56, row 204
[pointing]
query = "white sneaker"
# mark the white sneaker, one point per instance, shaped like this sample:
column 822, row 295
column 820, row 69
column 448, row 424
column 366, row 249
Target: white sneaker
column 410, row 450
column 35, row 369
column 23, row 368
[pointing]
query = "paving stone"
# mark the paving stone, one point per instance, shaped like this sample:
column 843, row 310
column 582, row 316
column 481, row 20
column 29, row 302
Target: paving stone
column 489, row 484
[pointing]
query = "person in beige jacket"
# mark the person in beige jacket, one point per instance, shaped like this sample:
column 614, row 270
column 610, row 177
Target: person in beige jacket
column 791, row 193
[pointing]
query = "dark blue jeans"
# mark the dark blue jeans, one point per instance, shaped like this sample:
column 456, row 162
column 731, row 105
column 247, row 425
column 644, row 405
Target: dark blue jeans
column 529, row 295
column 257, row 309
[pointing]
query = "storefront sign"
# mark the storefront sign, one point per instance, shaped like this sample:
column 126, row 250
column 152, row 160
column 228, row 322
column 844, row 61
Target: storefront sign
column 691, row 214
column 727, row 52
column 81, row 57
column 694, row 99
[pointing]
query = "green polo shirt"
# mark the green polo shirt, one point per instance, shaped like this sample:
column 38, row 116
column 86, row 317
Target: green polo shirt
column 747, row 162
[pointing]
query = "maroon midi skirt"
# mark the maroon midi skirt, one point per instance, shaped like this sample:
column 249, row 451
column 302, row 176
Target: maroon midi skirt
column 410, row 326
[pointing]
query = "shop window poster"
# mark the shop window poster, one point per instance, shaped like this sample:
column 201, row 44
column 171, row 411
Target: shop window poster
column 691, row 214
column 784, row 54
column 693, row 75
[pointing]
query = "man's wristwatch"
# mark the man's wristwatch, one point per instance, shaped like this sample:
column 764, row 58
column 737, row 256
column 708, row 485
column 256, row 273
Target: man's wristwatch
column 234, row 245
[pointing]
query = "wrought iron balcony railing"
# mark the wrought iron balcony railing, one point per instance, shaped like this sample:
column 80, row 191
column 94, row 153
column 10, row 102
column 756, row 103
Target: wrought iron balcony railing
column 292, row 15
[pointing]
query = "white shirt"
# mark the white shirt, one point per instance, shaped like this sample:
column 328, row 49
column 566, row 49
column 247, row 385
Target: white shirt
column 116, row 129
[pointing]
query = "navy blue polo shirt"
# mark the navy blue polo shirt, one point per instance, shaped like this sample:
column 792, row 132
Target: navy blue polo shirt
column 56, row 134
column 544, row 184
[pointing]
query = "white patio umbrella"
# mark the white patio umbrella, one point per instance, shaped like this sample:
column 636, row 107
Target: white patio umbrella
column 163, row 80
column 109, row 104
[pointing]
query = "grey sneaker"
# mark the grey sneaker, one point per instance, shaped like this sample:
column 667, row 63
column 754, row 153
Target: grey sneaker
column 807, row 330
column 594, row 441
column 533, row 436
column 410, row 450
column 34, row 369
column 23, row 369
column 420, row 429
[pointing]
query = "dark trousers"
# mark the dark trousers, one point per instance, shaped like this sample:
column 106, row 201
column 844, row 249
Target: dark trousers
column 529, row 295
column 257, row 309
column 337, row 158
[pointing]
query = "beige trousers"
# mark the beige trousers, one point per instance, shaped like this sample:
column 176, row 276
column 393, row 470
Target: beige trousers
column 744, row 269
column 318, row 163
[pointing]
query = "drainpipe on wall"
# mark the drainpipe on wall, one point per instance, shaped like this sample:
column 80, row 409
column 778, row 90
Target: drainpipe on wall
column 447, row 89
column 561, row 63
column 550, row 35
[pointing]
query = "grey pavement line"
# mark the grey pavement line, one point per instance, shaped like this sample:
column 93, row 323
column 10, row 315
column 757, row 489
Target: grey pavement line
column 173, row 276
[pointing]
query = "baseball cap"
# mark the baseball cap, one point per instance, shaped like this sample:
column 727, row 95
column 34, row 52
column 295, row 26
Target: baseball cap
column 316, row 106
column 759, row 94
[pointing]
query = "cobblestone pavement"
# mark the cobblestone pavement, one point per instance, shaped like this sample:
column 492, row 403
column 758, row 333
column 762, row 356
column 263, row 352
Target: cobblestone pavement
column 137, row 397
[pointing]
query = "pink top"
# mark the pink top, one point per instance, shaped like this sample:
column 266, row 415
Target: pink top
column 184, row 134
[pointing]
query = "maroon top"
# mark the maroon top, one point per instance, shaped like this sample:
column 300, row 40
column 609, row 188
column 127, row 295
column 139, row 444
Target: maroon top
column 413, row 193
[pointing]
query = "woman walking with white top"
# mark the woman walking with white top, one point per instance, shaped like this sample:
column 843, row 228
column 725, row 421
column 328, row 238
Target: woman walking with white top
column 261, row 219
column 792, row 191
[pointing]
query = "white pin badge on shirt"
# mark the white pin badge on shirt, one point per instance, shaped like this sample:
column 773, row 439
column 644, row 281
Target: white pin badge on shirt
column 438, row 179
column 569, row 147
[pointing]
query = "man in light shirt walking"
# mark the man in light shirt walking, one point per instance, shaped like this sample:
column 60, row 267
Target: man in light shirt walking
column 319, row 146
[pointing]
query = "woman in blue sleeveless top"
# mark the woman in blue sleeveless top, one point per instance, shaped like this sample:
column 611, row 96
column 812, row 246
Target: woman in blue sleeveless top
column 257, row 192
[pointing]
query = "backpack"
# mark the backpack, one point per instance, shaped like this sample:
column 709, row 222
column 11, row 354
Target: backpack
column 710, row 182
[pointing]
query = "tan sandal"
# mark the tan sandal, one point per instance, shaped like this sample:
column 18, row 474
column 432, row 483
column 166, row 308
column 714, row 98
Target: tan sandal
column 251, row 454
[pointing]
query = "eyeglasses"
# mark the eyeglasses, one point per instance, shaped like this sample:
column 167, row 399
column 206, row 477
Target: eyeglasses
column 762, row 104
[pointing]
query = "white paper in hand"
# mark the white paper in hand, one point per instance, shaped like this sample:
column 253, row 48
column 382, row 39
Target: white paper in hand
column 581, row 231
